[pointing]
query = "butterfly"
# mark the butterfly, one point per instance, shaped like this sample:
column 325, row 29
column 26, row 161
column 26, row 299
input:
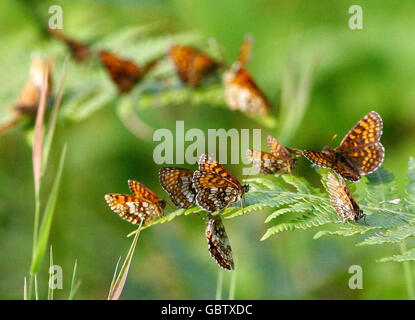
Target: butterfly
column 29, row 97
column 359, row 153
column 80, row 52
column 125, row 73
column 278, row 161
column 216, row 187
column 245, row 50
column 218, row 243
column 342, row 200
column 192, row 66
column 143, row 206
column 177, row 182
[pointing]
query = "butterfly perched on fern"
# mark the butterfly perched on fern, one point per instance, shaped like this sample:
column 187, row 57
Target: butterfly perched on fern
column 279, row 160
column 29, row 97
column 342, row 200
column 143, row 206
column 177, row 182
column 218, row 243
column 359, row 153
column 192, row 66
column 79, row 51
column 125, row 73
column 216, row 187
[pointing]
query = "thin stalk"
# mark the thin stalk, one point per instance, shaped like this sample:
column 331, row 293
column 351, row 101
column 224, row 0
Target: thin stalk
column 408, row 275
column 232, row 286
column 36, row 290
column 219, row 285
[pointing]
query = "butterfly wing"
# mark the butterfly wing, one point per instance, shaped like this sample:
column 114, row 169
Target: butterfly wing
column 218, row 243
column 277, row 149
column 245, row 50
column 142, row 192
column 264, row 161
column 177, row 183
column 191, row 65
column 321, row 159
column 339, row 198
column 132, row 209
column 361, row 144
column 124, row 73
column 79, row 51
column 242, row 93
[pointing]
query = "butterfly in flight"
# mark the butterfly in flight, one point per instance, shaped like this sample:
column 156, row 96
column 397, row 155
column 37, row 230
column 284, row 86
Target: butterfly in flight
column 342, row 200
column 79, row 51
column 29, row 97
column 125, row 73
column 177, row 182
column 279, row 160
column 192, row 66
column 143, row 206
column 359, row 153
column 218, row 243
column 216, row 187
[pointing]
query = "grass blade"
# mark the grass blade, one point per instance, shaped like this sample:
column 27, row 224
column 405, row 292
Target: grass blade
column 232, row 286
column 118, row 286
column 219, row 285
column 50, row 282
column 74, row 287
column 25, row 289
column 114, row 277
column 52, row 122
column 47, row 217
column 36, row 290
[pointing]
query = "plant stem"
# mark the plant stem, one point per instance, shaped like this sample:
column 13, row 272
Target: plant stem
column 35, row 236
column 408, row 274
column 232, row 286
column 219, row 284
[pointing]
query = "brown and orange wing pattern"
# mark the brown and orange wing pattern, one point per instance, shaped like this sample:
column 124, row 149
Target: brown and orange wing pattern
column 319, row 158
column 245, row 50
column 361, row 144
column 277, row 149
column 124, row 73
column 141, row 191
column 191, row 65
column 132, row 209
column 79, row 51
column 177, row 182
column 216, row 187
column 218, row 243
column 242, row 93
column 266, row 162
column 342, row 200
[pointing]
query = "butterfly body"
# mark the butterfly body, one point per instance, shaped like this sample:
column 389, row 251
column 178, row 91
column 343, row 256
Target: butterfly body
column 218, row 243
column 342, row 200
column 279, row 160
column 177, row 182
column 216, row 187
column 143, row 206
column 359, row 153
column 192, row 66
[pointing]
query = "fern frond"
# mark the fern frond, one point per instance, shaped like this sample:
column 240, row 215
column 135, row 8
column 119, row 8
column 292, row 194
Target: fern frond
column 407, row 256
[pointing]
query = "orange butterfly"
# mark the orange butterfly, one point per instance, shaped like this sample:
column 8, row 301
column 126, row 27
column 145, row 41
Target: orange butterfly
column 359, row 153
column 29, row 97
column 342, row 200
column 218, row 243
column 144, row 205
column 278, row 161
column 125, row 73
column 192, row 66
column 80, row 52
column 216, row 187
column 177, row 182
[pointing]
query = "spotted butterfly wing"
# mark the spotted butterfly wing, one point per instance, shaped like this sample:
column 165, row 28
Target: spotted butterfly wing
column 245, row 50
column 216, row 187
column 143, row 206
column 218, row 243
column 191, row 65
column 242, row 93
column 177, row 182
column 265, row 162
column 362, row 144
column 342, row 200
column 125, row 73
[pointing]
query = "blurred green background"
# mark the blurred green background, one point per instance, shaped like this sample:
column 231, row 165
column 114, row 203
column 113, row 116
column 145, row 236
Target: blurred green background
column 355, row 72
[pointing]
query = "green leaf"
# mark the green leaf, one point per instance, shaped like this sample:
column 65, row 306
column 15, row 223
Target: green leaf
column 47, row 217
column 407, row 256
